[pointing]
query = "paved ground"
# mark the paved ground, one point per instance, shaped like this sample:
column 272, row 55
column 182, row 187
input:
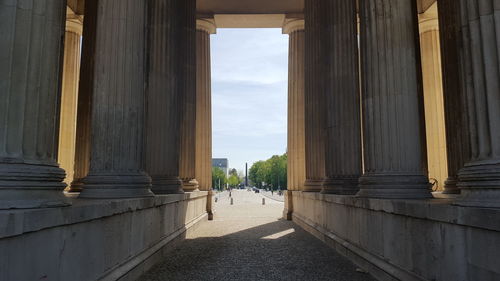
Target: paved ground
column 249, row 241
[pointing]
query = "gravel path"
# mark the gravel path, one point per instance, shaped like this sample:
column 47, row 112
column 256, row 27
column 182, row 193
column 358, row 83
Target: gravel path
column 249, row 241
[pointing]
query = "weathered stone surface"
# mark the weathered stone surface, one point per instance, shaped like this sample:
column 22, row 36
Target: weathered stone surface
column 187, row 60
column 393, row 117
column 118, row 98
column 94, row 239
column 342, row 96
column 405, row 239
column 454, row 91
column 314, row 97
column 479, row 180
column 30, row 60
column 164, row 97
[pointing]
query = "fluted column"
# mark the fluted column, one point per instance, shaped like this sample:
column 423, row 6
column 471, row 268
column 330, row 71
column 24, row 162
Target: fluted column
column 116, row 163
column 433, row 96
column 30, row 59
column 457, row 142
column 187, row 162
column 479, row 180
column 314, row 97
column 69, row 98
column 84, row 107
column 164, row 96
column 394, row 130
column 343, row 126
column 203, row 158
column 296, row 167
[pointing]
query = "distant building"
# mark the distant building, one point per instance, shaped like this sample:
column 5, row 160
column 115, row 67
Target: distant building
column 222, row 163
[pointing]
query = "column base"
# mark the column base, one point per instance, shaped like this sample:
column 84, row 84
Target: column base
column 480, row 185
column 313, row 185
column 394, row 186
column 341, row 186
column 288, row 210
column 76, row 186
column 209, row 205
column 450, row 186
column 166, row 185
column 111, row 186
column 190, row 185
column 25, row 186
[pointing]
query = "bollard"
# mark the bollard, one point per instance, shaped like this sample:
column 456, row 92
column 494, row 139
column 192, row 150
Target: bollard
column 216, row 199
column 229, row 193
column 231, row 200
column 263, row 201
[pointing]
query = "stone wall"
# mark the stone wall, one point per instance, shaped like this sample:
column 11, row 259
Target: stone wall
column 405, row 239
column 95, row 239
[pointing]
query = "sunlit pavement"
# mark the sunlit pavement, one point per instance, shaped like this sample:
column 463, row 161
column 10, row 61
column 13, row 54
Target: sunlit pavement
column 250, row 241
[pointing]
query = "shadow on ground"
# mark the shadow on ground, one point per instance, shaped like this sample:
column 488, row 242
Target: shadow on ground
column 279, row 250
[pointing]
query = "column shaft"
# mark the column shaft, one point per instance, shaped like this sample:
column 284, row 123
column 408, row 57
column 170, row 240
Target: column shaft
column 164, row 96
column 296, row 167
column 116, row 165
column 30, row 67
column 394, row 129
column 343, row 127
column 480, row 178
column 69, row 101
column 454, row 92
column 203, row 138
column 314, row 97
column 433, row 97
column 187, row 162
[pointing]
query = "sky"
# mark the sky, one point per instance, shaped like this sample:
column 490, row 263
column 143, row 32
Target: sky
column 249, row 95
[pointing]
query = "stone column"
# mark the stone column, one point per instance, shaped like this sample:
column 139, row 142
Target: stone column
column 164, row 96
column 116, row 163
column 314, row 97
column 296, row 166
column 84, row 108
column 187, row 162
column 69, row 98
column 393, row 117
column 30, row 67
column 433, row 96
column 343, row 126
column 204, row 27
column 457, row 142
column 479, row 180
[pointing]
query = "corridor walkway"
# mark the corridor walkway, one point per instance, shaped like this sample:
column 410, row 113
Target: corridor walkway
column 249, row 241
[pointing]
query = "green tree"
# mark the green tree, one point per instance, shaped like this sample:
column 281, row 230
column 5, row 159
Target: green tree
column 233, row 180
column 272, row 172
column 219, row 178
